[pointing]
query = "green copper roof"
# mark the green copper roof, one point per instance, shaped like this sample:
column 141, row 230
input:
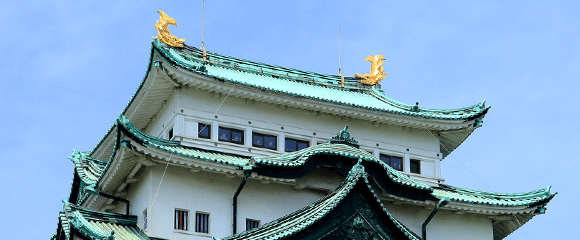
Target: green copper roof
column 526, row 199
column 88, row 170
column 304, row 84
column 176, row 148
column 300, row 158
column 97, row 225
column 296, row 222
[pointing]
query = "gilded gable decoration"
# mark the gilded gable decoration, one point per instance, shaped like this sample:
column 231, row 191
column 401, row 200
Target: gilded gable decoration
column 163, row 34
column 376, row 74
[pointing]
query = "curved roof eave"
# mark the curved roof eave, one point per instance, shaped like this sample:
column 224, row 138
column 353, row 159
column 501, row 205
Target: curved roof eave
column 304, row 84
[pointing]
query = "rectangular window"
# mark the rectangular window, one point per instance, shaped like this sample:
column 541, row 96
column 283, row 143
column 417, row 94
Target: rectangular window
column 394, row 162
column 202, row 222
column 181, row 219
column 145, row 219
column 264, row 141
column 231, row 135
column 251, row 224
column 292, row 145
column 204, row 130
column 170, row 133
column 415, row 166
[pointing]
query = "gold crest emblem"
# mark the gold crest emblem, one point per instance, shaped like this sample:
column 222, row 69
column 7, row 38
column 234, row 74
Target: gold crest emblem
column 163, row 34
column 376, row 74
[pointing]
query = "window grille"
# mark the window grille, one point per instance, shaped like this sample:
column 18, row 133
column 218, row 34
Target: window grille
column 180, row 219
column 251, row 224
column 202, row 222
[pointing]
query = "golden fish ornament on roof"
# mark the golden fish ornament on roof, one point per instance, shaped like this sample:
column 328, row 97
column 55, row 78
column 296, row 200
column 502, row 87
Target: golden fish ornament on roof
column 376, row 74
column 163, row 34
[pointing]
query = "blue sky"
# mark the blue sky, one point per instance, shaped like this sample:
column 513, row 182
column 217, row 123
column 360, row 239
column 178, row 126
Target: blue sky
column 69, row 68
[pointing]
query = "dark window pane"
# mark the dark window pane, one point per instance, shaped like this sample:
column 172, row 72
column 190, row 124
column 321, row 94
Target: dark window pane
column 415, row 166
column 270, row 142
column 302, row 145
column 204, row 131
column 397, row 163
column 170, row 133
column 258, row 140
column 290, row 145
column 237, row 136
column 224, row 134
column 386, row 159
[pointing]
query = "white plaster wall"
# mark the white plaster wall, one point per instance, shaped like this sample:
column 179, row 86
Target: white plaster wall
column 212, row 193
column 185, row 108
column 445, row 225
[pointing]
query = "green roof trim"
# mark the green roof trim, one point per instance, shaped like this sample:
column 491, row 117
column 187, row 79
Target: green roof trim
column 526, row 199
column 299, row 158
column 305, row 219
column 96, row 225
column 304, row 84
column 88, row 170
column 175, row 147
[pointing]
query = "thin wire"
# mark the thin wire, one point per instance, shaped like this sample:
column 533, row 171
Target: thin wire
column 514, row 215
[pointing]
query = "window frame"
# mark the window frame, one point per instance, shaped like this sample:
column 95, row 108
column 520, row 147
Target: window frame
column 389, row 163
column 250, row 222
column 297, row 141
column 144, row 214
column 200, row 227
column 254, row 134
column 183, row 223
column 200, row 127
column 231, row 131
column 415, row 161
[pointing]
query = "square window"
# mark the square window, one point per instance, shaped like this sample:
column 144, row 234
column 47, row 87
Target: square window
column 290, row 145
column 251, row 224
column 225, row 134
column 392, row 161
column 231, row 135
column 415, row 166
column 295, row 145
column 204, row 130
column 202, row 222
column 258, row 140
column 264, row 141
column 181, row 219
column 237, row 136
column 270, row 142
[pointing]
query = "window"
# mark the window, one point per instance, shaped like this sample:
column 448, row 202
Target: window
column 231, row 135
column 145, row 218
column 264, row 141
column 251, row 224
column 394, row 162
column 295, row 145
column 415, row 166
column 181, row 219
column 204, row 130
column 202, row 222
column 170, row 133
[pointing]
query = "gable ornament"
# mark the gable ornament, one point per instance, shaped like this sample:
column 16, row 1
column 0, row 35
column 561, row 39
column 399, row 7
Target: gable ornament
column 376, row 74
column 163, row 34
